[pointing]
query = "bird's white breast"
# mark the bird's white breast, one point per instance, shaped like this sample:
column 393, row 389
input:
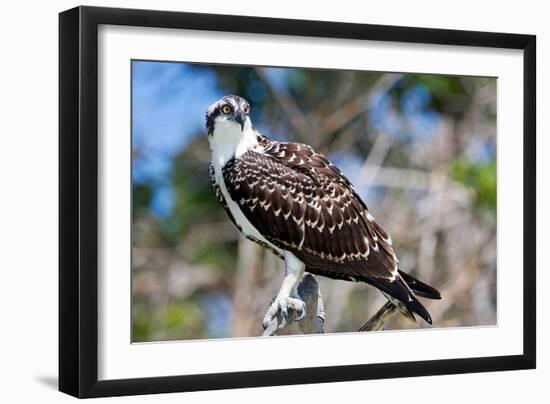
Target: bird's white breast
column 229, row 142
column 246, row 227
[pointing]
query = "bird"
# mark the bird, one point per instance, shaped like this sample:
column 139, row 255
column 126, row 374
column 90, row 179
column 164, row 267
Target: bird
column 293, row 201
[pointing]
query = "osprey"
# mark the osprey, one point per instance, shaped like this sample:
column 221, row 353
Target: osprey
column 295, row 202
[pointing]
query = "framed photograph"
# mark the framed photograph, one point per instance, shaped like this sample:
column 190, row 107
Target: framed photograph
column 251, row 201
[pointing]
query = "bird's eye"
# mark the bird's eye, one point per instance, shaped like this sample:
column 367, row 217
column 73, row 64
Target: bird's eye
column 226, row 109
column 247, row 110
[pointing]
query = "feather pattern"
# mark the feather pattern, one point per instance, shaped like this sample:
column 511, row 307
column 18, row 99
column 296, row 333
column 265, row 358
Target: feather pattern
column 297, row 199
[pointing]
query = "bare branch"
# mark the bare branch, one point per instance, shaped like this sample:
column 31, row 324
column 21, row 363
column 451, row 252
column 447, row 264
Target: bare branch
column 310, row 293
column 377, row 321
column 401, row 178
column 289, row 106
column 373, row 163
column 312, row 323
column 357, row 106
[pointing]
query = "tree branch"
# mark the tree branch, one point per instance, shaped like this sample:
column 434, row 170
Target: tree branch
column 310, row 293
column 377, row 321
column 312, row 323
column 357, row 106
column 288, row 105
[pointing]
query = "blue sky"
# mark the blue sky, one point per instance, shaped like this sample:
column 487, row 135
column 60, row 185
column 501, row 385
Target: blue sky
column 169, row 101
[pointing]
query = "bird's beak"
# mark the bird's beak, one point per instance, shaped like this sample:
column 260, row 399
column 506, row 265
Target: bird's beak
column 240, row 117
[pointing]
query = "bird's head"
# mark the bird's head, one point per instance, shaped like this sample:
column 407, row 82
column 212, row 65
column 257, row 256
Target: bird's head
column 230, row 112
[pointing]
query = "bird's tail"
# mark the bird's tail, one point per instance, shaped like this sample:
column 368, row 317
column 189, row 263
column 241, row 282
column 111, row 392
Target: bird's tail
column 420, row 288
column 403, row 292
column 411, row 304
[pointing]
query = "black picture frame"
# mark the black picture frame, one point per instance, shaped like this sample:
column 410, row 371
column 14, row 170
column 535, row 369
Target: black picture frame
column 78, row 201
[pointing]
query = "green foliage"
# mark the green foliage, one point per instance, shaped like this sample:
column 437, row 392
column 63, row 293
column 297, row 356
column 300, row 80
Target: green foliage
column 450, row 95
column 481, row 178
column 217, row 256
column 181, row 314
column 142, row 327
column 177, row 318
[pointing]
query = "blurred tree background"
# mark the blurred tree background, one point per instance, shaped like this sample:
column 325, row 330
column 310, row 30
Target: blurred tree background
column 420, row 149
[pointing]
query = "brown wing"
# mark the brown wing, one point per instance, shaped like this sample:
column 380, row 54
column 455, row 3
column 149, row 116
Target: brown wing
column 303, row 158
column 308, row 207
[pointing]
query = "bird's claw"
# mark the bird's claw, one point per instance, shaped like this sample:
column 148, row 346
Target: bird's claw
column 283, row 306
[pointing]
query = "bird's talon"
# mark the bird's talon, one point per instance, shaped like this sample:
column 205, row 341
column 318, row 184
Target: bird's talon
column 301, row 315
column 284, row 306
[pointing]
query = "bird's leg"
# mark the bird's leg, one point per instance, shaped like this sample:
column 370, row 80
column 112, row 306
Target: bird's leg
column 288, row 298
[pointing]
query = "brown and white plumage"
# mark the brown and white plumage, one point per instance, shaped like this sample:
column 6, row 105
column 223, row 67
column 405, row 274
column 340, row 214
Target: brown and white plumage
column 296, row 201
